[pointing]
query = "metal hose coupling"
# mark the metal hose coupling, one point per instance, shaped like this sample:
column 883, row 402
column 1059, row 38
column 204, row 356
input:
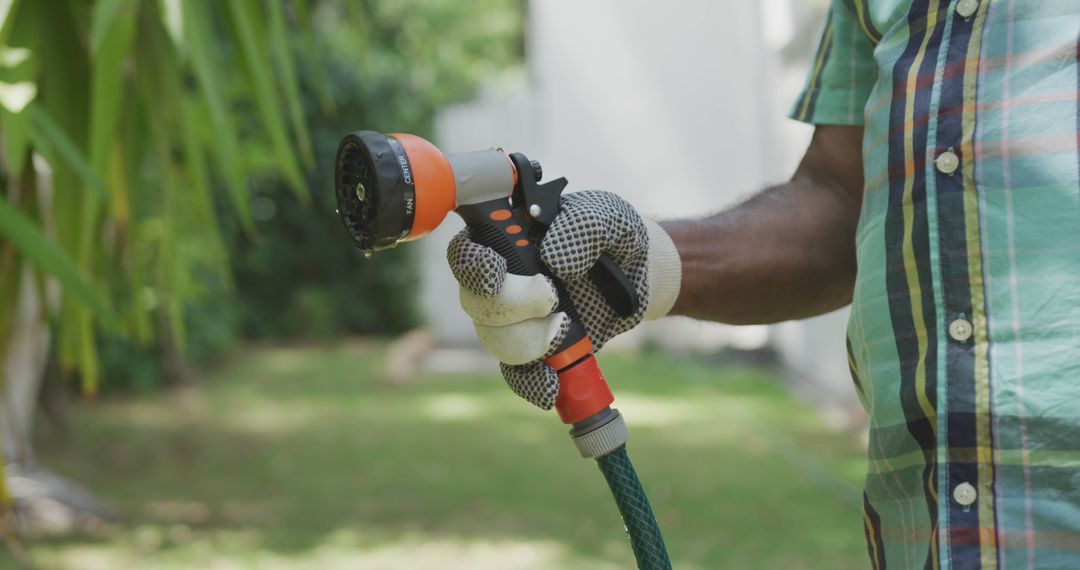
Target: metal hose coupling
column 600, row 434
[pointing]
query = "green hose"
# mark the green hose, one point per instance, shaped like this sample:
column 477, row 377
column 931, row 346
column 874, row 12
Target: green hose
column 637, row 514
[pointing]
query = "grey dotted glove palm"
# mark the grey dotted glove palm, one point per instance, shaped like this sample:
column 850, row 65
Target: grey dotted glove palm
column 513, row 314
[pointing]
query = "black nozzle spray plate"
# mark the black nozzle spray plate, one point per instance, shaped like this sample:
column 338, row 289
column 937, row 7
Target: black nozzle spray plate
column 376, row 194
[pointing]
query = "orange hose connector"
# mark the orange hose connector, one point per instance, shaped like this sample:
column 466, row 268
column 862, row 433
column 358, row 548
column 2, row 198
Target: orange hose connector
column 583, row 391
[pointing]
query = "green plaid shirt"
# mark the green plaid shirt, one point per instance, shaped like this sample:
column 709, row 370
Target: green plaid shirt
column 964, row 337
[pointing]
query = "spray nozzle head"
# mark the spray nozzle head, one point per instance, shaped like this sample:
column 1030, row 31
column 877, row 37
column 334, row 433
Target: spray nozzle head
column 391, row 188
column 376, row 194
column 399, row 187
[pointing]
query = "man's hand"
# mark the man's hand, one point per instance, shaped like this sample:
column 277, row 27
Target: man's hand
column 787, row 253
column 513, row 314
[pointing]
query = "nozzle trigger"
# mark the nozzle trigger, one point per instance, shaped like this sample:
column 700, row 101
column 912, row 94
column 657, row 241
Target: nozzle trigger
column 539, row 202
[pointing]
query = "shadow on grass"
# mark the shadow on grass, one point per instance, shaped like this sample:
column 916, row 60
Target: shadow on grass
column 298, row 457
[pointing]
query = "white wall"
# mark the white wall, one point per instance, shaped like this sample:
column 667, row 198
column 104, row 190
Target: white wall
column 677, row 106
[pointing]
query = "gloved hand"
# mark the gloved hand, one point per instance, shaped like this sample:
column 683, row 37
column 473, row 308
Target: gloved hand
column 513, row 314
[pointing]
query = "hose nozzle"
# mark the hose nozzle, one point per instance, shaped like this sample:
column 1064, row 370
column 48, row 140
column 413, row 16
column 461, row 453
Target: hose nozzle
column 399, row 187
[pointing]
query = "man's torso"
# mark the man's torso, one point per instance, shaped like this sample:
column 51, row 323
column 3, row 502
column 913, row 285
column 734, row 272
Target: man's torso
column 965, row 329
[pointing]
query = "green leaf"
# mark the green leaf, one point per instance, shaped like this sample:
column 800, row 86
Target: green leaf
column 7, row 10
column 104, row 12
column 244, row 20
column 172, row 18
column 45, row 132
column 196, row 179
column 227, row 154
column 319, row 81
column 106, row 97
column 14, row 57
column 17, row 65
column 89, row 365
column 279, row 41
column 15, row 130
column 28, row 238
column 14, row 97
column 107, row 82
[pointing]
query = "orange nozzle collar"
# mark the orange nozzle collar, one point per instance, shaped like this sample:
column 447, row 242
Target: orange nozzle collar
column 434, row 182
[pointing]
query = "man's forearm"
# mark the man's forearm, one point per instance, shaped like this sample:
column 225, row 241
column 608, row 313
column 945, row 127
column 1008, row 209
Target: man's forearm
column 787, row 253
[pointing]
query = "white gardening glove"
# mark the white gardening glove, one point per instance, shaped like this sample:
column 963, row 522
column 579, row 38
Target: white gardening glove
column 513, row 314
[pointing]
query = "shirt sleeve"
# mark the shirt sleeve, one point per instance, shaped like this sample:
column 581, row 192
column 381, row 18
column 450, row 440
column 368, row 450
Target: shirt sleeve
column 843, row 71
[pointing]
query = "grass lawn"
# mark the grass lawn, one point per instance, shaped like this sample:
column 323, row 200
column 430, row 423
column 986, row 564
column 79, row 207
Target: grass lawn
column 301, row 458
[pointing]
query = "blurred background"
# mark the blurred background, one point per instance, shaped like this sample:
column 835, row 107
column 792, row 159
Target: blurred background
column 199, row 369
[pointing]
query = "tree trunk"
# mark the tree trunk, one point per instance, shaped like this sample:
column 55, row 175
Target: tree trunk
column 24, row 367
column 45, row 503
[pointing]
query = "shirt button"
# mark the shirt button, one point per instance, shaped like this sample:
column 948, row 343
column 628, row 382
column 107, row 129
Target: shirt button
column 967, row 7
column 964, row 494
column 947, row 162
column 960, row 330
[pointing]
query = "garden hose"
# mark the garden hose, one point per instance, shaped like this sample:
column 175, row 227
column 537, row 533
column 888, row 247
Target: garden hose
column 637, row 514
column 399, row 187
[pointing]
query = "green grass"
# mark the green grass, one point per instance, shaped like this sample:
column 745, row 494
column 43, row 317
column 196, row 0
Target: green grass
column 301, row 458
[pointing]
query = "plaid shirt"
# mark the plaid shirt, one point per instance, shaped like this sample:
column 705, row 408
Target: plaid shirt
column 964, row 337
